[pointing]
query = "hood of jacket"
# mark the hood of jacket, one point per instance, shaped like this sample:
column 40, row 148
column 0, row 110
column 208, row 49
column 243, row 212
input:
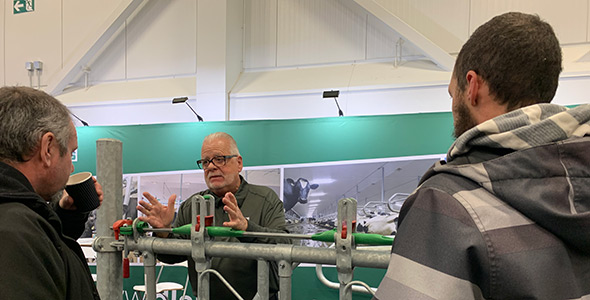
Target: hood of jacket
column 537, row 160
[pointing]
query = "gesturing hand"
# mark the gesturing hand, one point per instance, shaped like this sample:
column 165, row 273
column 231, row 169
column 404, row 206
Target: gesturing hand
column 237, row 220
column 156, row 214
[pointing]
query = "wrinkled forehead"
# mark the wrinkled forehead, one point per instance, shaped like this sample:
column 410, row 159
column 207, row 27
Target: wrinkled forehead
column 213, row 147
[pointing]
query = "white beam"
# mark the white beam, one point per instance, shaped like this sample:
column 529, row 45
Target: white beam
column 91, row 45
column 431, row 50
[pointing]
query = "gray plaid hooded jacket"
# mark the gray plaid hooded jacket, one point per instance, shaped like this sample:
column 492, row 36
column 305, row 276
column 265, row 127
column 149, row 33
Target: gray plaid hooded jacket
column 506, row 217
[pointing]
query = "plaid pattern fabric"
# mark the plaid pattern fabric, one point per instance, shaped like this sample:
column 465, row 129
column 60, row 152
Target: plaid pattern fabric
column 507, row 216
column 524, row 128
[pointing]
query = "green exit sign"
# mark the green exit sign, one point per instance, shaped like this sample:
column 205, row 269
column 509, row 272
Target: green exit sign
column 22, row 6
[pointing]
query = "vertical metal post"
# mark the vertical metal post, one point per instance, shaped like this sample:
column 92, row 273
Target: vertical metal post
column 198, row 238
column 149, row 268
column 382, row 184
column 344, row 246
column 285, row 273
column 262, row 280
column 109, row 173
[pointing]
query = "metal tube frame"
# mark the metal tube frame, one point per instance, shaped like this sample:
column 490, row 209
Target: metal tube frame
column 201, row 248
column 345, row 256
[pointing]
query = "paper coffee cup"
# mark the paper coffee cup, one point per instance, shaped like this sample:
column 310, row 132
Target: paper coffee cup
column 80, row 187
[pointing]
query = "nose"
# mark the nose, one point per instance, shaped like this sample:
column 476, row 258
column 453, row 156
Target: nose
column 72, row 168
column 211, row 165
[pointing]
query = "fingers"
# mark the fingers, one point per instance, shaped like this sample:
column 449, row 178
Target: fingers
column 230, row 200
column 151, row 198
column 66, row 202
column 142, row 210
column 144, row 206
column 236, row 218
column 154, row 212
column 99, row 191
column 172, row 200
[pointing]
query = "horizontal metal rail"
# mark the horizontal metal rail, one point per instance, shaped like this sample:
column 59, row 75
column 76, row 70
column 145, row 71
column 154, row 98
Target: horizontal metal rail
column 275, row 252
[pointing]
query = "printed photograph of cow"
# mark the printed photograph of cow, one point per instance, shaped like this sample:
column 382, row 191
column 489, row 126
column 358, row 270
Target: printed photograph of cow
column 311, row 193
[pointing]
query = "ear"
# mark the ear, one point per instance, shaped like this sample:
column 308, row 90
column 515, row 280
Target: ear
column 290, row 181
column 473, row 85
column 46, row 149
column 240, row 163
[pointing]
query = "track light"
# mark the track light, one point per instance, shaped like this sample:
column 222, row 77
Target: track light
column 183, row 100
column 334, row 94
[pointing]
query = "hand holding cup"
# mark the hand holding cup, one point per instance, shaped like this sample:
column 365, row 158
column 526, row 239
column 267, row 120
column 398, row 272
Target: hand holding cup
column 82, row 189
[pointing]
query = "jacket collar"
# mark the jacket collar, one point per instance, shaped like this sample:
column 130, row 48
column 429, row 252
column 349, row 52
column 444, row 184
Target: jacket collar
column 524, row 128
column 240, row 194
column 15, row 187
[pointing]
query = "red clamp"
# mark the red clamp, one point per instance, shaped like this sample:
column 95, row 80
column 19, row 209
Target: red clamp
column 208, row 222
column 118, row 224
column 125, row 267
column 344, row 230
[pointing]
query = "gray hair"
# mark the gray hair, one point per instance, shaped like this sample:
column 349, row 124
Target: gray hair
column 233, row 146
column 26, row 115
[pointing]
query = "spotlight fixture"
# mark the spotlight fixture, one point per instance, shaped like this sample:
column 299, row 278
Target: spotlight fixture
column 183, row 100
column 334, row 94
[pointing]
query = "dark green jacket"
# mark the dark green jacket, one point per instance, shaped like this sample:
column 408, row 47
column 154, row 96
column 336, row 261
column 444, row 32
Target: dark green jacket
column 38, row 259
column 265, row 212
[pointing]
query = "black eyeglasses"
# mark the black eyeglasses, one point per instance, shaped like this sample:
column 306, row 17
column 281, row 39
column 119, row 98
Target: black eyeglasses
column 218, row 161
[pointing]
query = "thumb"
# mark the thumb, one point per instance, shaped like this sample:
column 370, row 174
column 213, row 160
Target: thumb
column 172, row 200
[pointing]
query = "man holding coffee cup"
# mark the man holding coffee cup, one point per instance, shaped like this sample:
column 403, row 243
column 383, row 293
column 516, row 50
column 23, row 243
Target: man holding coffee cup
column 39, row 224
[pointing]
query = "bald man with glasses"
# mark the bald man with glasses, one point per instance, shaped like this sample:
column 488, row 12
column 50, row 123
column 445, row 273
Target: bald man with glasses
column 238, row 204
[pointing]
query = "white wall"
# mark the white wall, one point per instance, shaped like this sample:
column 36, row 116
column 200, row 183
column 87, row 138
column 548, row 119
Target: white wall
column 291, row 51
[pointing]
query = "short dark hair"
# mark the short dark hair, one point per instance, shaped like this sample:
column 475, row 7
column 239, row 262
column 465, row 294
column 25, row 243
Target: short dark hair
column 517, row 55
column 26, row 114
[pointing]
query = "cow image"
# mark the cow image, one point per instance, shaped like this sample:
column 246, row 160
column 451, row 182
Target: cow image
column 296, row 192
column 379, row 224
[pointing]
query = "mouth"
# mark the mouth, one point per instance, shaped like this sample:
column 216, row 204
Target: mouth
column 214, row 177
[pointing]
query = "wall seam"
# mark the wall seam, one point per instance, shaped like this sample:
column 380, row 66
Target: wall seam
column 469, row 20
column 62, row 34
column 587, row 21
column 4, row 45
column 126, row 50
column 277, row 35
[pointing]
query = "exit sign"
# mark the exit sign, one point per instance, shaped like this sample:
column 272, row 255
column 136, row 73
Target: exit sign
column 22, row 6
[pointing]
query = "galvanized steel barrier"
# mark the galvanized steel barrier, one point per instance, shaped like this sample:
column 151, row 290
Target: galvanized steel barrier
column 201, row 248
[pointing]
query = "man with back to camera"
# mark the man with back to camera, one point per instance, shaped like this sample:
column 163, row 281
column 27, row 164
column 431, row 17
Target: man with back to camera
column 39, row 225
column 507, row 216
column 238, row 204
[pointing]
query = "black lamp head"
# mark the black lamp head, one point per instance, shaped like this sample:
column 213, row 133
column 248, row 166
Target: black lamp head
column 331, row 94
column 179, row 100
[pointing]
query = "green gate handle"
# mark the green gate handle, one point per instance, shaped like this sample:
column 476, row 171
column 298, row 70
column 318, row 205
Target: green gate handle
column 224, row 231
column 372, row 239
column 326, row 236
column 359, row 238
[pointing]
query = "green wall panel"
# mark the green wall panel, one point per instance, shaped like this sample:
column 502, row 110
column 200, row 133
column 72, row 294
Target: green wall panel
column 169, row 147
column 305, row 284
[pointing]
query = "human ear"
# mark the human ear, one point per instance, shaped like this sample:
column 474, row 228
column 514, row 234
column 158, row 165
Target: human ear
column 472, row 87
column 46, row 151
column 240, row 163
